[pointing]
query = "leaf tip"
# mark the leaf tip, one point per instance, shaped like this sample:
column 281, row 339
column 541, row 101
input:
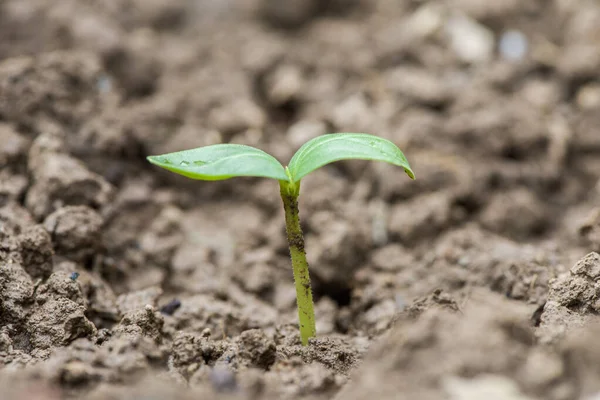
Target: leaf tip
column 410, row 174
column 157, row 160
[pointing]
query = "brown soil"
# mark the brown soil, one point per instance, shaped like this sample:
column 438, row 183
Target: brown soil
column 479, row 280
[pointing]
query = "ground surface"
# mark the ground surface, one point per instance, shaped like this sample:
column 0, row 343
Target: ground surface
column 477, row 280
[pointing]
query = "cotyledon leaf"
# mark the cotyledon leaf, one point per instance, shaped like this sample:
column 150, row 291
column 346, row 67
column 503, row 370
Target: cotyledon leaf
column 333, row 147
column 221, row 161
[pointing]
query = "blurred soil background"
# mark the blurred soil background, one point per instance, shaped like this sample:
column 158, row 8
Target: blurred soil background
column 479, row 280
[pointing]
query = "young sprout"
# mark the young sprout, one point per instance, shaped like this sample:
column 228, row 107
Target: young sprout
column 224, row 161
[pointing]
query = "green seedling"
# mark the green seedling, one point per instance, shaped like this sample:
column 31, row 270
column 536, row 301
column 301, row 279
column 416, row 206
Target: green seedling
column 224, row 161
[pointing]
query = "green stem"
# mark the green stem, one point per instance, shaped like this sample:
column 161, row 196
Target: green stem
column 306, row 314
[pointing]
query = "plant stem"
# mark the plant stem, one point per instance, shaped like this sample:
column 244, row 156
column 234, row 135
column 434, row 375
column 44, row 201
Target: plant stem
column 306, row 314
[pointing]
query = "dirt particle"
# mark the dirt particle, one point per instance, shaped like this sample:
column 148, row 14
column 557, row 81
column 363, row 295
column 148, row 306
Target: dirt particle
column 145, row 322
column 36, row 252
column 16, row 291
column 191, row 353
column 392, row 257
column 137, row 300
column 337, row 354
column 257, row 348
column 515, row 214
column 60, row 180
column 171, row 307
column 54, row 87
column 60, row 284
column 296, row 240
column 421, row 218
column 75, row 232
column 588, row 266
column 437, row 300
column 135, row 69
column 576, row 290
column 14, row 146
column 97, row 295
column 12, row 187
column 57, row 322
column 74, row 373
column 590, row 229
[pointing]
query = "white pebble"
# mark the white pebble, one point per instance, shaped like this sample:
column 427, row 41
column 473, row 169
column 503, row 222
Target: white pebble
column 513, row 45
column 471, row 41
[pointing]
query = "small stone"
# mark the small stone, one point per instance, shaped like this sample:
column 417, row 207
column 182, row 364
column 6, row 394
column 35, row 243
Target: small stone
column 192, row 368
column 577, row 290
column 223, row 379
column 104, row 84
column 471, row 41
column 12, row 187
column 353, row 112
column 580, row 59
column 16, row 293
column 74, row 372
column 517, row 213
column 418, row 84
column 543, row 368
column 75, row 231
column 424, row 22
column 36, row 252
column 588, row 266
column 13, row 145
column 142, row 323
column 590, row 229
column 237, row 117
column 541, row 93
column 284, row 84
column 336, row 247
column 588, row 97
column 170, row 307
column 139, row 299
column 393, row 257
column 380, row 316
column 58, row 322
column 422, row 217
column 513, row 45
column 60, row 180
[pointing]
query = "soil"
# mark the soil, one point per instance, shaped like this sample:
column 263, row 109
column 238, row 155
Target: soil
column 478, row 280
